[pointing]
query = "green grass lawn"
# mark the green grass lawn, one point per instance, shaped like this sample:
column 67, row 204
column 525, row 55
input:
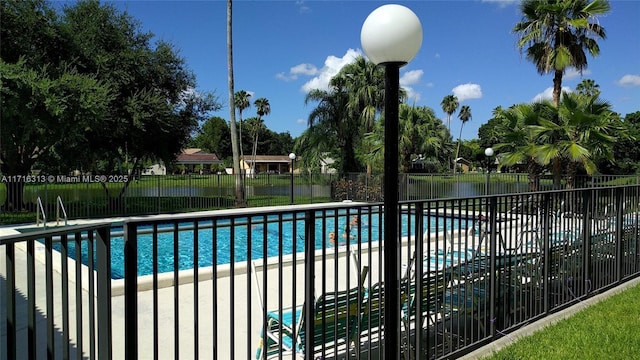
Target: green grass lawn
column 609, row 329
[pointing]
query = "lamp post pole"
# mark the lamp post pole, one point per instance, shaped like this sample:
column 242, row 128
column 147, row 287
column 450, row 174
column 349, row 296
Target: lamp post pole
column 292, row 156
column 488, row 152
column 391, row 36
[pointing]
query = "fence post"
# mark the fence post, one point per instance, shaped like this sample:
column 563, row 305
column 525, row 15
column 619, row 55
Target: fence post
column 546, row 255
column 131, row 291
column 309, row 273
column 586, row 233
column 493, row 248
column 620, row 192
column 103, row 259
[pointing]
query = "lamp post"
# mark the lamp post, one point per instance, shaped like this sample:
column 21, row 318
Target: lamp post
column 391, row 36
column 292, row 156
column 488, row 152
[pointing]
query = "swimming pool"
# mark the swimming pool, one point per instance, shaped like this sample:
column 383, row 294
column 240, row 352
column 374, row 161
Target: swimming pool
column 272, row 234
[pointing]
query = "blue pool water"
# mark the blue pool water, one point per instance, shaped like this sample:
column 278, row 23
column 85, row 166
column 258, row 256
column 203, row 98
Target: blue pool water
column 264, row 236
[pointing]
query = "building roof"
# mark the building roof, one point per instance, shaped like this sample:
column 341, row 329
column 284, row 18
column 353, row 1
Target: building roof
column 197, row 158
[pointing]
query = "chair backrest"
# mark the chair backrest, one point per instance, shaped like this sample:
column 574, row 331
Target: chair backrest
column 373, row 309
column 431, row 297
column 336, row 317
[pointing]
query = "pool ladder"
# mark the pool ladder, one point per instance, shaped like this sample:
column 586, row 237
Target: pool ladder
column 41, row 212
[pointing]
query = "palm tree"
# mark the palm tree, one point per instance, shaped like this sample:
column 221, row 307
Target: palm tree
column 556, row 34
column 584, row 130
column 464, row 115
column 588, row 87
column 241, row 100
column 449, row 106
column 365, row 82
column 262, row 108
column 240, row 200
column 331, row 129
column 420, row 132
column 520, row 144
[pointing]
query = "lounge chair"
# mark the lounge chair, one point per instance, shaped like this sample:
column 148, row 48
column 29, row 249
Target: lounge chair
column 335, row 322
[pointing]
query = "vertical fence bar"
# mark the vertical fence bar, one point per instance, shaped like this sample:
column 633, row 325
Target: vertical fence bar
column 214, row 287
column 176, row 291
column 232, row 286
column 249, row 280
column 196, row 295
column 78, row 269
column 103, row 264
column 619, row 230
column 31, row 300
column 154, row 259
column 546, row 257
column 309, row 271
column 64, row 259
column 91, row 296
column 10, row 291
column 48, row 241
column 493, row 208
column 130, row 290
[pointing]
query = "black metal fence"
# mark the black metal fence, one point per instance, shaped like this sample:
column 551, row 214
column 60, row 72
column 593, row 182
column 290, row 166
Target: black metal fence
column 90, row 197
column 308, row 279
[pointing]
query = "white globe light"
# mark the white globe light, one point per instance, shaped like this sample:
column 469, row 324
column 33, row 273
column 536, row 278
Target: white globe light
column 292, row 156
column 391, row 34
column 488, row 152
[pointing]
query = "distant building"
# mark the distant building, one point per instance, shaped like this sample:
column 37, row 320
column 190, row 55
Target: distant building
column 196, row 161
column 270, row 164
column 189, row 161
column 326, row 166
column 464, row 164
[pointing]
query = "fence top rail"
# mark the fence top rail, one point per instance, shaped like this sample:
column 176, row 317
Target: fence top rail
column 65, row 230
column 248, row 211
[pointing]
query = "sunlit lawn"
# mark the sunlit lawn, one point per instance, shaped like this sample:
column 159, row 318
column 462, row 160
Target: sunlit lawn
column 609, row 329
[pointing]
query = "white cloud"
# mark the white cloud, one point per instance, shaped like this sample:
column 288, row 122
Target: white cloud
column 304, row 69
column 547, row 94
column 572, row 74
column 411, row 78
column 502, row 3
column 629, row 80
column 301, row 121
column 302, row 7
column 332, row 66
column 467, row 91
column 300, row 69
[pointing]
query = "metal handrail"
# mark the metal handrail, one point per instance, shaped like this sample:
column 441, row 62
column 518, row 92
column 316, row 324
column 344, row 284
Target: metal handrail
column 60, row 205
column 44, row 216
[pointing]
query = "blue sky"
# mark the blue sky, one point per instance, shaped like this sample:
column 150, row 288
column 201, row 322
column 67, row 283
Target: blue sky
column 284, row 48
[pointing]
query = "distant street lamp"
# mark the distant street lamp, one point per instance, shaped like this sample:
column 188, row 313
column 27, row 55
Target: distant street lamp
column 488, row 152
column 391, row 36
column 292, row 156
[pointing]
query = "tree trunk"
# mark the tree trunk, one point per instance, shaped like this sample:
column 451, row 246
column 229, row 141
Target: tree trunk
column 572, row 169
column 533, row 170
column 15, row 195
column 557, row 173
column 14, row 170
column 240, row 200
column 557, row 88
